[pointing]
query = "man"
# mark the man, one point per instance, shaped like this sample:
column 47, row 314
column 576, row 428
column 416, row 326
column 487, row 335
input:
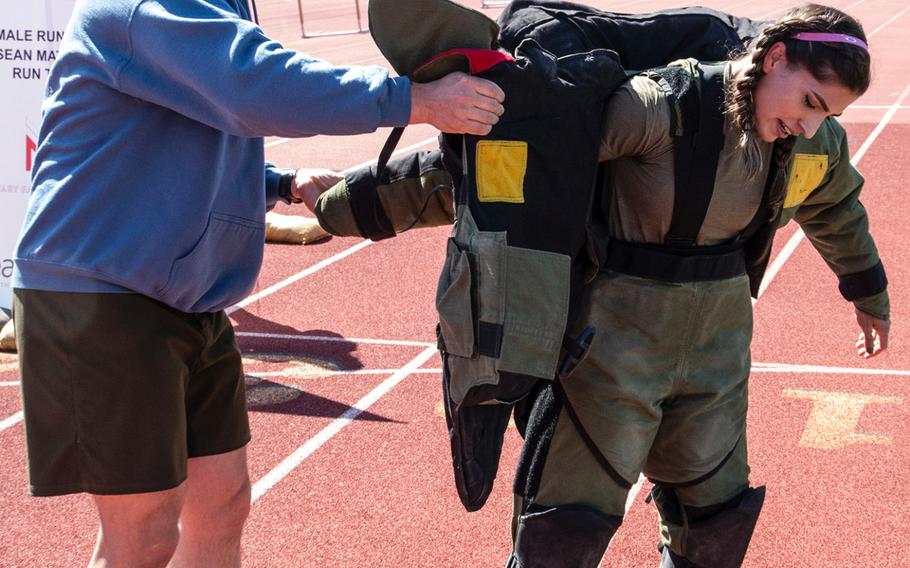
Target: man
column 145, row 222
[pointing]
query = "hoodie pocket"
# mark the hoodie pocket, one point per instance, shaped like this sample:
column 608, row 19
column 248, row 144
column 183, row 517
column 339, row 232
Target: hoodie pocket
column 220, row 269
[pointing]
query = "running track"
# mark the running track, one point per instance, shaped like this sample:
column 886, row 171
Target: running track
column 350, row 458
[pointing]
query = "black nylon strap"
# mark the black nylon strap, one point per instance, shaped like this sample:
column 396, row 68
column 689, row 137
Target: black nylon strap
column 489, row 339
column 586, row 438
column 701, row 478
column 863, row 284
column 695, row 155
column 387, row 149
column 682, row 264
column 366, row 207
column 369, row 214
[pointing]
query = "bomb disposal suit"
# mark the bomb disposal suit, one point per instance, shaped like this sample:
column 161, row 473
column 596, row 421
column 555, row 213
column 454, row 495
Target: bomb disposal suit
column 663, row 390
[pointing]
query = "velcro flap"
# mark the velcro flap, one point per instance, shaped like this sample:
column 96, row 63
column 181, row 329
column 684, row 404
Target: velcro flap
column 501, row 167
column 807, row 174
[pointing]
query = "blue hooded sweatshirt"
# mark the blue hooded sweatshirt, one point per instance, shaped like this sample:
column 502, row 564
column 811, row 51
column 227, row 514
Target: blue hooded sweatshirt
column 150, row 175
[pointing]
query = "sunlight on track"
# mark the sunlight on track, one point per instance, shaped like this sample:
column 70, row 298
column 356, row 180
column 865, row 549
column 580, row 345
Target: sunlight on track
column 835, row 418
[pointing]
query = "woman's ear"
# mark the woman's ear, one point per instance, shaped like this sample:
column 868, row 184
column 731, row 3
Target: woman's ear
column 776, row 55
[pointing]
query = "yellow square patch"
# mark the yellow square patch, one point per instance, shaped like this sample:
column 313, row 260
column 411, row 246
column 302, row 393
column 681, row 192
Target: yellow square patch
column 807, row 174
column 501, row 167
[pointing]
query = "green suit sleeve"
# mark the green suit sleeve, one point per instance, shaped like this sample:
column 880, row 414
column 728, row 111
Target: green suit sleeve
column 399, row 197
column 835, row 221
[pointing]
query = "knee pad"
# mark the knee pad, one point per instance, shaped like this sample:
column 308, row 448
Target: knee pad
column 562, row 537
column 716, row 536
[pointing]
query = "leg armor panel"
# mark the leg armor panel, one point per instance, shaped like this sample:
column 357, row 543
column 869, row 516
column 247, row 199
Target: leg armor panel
column 716, row 536
column 562, row 537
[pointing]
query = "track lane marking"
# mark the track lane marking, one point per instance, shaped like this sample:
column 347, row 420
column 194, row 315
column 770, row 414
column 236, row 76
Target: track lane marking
column 11, row 421
column 805, row 369
column 279, row 472
column 333, row 373
column 302, row 274
column 334, row 339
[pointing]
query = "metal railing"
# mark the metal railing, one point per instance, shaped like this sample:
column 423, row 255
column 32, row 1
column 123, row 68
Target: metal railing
column 304, row 33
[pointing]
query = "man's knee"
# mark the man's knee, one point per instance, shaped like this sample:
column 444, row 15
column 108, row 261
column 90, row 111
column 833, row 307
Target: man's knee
column 218, row 497
column 138, row 530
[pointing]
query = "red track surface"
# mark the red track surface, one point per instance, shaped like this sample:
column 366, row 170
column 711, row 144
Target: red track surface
column 830, row 443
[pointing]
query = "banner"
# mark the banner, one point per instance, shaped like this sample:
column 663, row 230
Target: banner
column 30, row 34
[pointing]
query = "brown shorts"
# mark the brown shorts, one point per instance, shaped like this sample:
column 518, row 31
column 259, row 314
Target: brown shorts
column 120, row 390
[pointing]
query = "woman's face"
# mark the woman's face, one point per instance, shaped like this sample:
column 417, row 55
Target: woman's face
column 790, row 101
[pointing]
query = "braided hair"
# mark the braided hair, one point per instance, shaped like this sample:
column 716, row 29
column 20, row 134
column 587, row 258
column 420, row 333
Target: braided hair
column 847, row 64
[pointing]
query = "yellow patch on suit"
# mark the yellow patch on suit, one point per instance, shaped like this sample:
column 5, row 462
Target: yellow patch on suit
column 501, row 167
column 807, row 174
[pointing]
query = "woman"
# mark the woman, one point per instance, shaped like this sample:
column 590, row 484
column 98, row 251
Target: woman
column 664, row 389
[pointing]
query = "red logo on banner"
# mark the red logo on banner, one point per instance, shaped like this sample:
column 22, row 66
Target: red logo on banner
column 30, row 147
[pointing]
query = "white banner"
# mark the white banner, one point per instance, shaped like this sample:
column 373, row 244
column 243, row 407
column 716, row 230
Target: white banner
column 29, row 36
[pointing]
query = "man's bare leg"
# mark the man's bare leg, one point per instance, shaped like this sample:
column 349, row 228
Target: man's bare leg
column 215, row 508
column 137, row 530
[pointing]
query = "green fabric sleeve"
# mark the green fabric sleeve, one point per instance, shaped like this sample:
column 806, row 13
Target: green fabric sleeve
column 832, row 216
column 876, row 306
column 410, row 184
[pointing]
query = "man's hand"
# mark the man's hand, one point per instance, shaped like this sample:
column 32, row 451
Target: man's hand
column 457, row 103
column 873, row 337
column 310, row 183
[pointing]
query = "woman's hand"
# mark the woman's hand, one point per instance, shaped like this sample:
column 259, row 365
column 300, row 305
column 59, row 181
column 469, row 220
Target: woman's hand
column 873, row 337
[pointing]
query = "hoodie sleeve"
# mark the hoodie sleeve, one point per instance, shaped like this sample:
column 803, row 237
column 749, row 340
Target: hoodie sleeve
column 272, row 179
column 201, row 59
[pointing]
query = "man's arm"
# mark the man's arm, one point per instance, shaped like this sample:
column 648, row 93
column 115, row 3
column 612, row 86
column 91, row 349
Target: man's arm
column 204, row 61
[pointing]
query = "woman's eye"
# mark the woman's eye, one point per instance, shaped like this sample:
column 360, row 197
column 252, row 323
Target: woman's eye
column 809, row 103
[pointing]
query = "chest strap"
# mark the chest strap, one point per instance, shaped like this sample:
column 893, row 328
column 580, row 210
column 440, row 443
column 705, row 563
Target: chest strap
column 697, row 125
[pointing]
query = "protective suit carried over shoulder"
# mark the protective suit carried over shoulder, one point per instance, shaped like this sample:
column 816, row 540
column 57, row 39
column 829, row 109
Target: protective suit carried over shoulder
column 521, row 249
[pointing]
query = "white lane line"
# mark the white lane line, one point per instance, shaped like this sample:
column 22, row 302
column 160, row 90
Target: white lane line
column 296, row 458
column 797, row 237
column 11, row 421
column 317, row 373
column 876, row 107
column 878, row 29
column 317, row 267
column 785, row 368
column 334, row 339
column 756, row 368
column 9, row 383
column 302, row 274
column 398, row 152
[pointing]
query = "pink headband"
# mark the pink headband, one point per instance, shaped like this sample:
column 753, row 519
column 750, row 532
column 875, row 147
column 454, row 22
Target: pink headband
column 831, row 38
